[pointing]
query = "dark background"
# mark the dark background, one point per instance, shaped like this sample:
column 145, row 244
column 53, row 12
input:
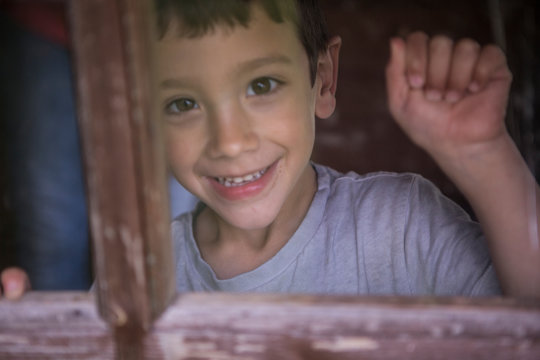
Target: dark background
column 361, row 136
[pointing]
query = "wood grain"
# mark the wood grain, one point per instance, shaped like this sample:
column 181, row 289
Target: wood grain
column 53, row 326
column 248, row 326
column 124, row 165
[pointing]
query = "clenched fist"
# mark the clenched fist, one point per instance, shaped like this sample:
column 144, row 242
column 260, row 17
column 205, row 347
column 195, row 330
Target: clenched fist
column 449, row 97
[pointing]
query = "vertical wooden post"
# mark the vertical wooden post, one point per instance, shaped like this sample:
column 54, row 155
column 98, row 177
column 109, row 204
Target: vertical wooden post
column 125, row 166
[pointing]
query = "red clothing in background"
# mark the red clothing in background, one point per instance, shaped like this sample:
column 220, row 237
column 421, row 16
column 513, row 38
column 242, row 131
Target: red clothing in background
column 45, row 19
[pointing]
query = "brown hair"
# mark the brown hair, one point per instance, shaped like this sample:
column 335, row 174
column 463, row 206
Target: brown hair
column 197, row 17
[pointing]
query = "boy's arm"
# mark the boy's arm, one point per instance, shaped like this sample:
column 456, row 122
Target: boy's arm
column 13, row 283
column 450, row 98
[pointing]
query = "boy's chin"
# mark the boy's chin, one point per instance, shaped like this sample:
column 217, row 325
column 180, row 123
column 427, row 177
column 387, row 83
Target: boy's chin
column 249, row 220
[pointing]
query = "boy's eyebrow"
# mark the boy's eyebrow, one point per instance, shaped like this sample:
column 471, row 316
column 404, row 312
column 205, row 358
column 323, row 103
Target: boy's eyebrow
column 173, row 83
column 259, row 62
column 246, row 66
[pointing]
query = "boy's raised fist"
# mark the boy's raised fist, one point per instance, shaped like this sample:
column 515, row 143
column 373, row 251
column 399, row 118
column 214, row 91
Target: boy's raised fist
column 447, row 94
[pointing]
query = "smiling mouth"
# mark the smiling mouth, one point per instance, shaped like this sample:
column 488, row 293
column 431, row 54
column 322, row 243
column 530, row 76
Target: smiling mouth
column 241, row 180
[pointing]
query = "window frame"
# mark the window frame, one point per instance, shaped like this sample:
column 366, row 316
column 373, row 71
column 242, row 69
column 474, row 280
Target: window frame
column 138, row 314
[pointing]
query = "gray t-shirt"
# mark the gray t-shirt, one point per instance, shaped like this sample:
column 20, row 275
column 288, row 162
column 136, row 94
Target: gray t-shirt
column 378, row 234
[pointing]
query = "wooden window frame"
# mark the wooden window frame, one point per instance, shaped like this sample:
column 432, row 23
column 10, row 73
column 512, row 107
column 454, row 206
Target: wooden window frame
column 139, row 316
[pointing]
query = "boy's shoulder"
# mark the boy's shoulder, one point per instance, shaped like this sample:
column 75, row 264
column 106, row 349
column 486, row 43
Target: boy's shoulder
column 373, row 182
column 382, row 195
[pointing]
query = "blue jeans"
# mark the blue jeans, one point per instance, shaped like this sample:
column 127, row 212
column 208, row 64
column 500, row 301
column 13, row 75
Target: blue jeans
column 45, row 181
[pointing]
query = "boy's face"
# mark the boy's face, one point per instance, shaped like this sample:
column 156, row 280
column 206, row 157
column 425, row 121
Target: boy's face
column 240, row 109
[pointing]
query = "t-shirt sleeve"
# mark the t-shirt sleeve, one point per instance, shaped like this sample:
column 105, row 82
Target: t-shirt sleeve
column 445, row 251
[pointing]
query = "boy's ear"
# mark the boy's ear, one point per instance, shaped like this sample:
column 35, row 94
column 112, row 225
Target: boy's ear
column 327, row 72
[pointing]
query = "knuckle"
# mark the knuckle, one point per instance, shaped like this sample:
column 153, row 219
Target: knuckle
column 456, row 87
column 482, row 72
column 457, row 82
column 418, row 34
column 416, row 66
column 441, row 47
column 467, row 45
column 436, row 83
column 493, row 49
column 441, row 41
column 494, row 52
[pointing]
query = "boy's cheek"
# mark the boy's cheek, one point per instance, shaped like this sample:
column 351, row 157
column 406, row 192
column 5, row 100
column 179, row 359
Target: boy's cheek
column 182, row 150
column 174, row 151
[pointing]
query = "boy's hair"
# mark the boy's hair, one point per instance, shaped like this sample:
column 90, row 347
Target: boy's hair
column 196, row 17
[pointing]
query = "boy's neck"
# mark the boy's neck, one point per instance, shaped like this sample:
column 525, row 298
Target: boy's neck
column 231, row 251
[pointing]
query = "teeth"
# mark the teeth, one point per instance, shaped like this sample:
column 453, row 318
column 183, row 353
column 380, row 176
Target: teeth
column 240, row 180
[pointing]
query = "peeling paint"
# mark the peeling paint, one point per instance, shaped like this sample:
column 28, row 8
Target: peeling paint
column 176, row 347
column 373, row 326
column 117, row 315
column 249, row 348
column 320, row 328
column 133, row 245
column 13, row 339
column 118, row 103
column 520, row 332
column 525, row 345
column 109, row 233
column 151, row 259
column 457, row 329
column 346, row 344
column 437, row 332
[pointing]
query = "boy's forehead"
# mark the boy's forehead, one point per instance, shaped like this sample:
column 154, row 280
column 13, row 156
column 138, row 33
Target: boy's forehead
column 262, row 36
column 178, row 30
column 191, row 21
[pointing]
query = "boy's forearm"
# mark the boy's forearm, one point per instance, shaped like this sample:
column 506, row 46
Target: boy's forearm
column 506, row 199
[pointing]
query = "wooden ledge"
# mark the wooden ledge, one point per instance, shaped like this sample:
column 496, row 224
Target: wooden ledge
column 249, row 326
column 53, row 325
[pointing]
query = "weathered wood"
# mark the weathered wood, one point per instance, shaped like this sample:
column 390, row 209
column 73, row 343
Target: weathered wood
column 150, row 153
column 53, row 326
column 302, row 327
column 124, row 160
column 226, row 326
column 125, row 165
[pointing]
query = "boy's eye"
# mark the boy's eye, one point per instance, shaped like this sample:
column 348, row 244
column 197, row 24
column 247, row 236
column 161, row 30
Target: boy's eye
column 180, row 105
column 261, row 86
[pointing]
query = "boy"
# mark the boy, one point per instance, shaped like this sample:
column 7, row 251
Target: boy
column 242, row 82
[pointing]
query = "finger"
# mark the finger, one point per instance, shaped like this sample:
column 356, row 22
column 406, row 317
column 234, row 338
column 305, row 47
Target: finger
column 440, row 55
column 396, row 82
column 416, row 59
column 491, row 60
column 15, row 282
column 464, row 60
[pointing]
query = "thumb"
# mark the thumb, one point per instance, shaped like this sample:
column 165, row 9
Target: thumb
column 396, row 81
column 15, row 282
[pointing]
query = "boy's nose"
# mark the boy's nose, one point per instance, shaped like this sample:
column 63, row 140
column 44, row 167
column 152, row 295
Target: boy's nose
column 231, row 134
